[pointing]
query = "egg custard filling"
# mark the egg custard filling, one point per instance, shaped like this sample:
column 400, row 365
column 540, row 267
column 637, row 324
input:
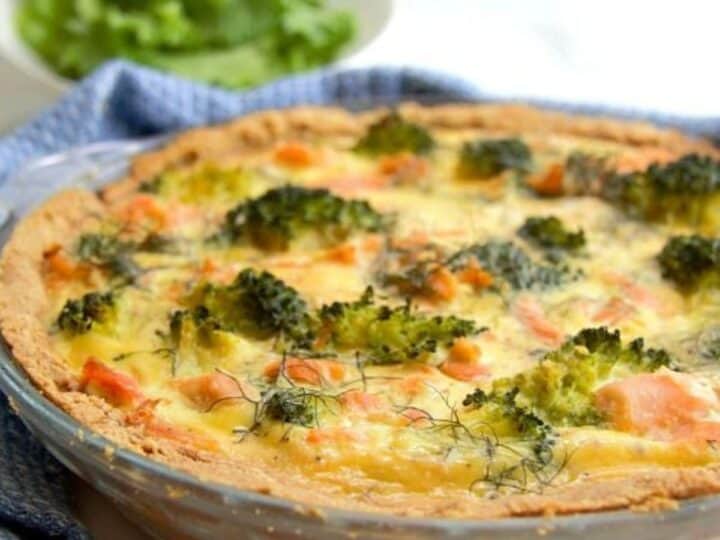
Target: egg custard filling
column 476, row 310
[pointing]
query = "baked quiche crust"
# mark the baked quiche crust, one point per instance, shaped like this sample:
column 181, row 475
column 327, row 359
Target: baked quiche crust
column 25, row 303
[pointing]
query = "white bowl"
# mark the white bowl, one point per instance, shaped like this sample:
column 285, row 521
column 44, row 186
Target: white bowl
column 372, row 19
column 20, row 56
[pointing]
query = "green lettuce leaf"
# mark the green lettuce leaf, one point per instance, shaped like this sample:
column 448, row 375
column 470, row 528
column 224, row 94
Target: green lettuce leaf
column 233, row 43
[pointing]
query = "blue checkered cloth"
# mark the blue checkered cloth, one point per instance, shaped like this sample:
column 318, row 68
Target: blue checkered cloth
column 122, row 100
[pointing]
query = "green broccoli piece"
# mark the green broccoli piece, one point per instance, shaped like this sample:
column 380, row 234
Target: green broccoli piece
column 691, row 261
column 197, row 324
column 634, row 356
column 280, row 215
column 256, row 303
column 488, row 158
column 508, row 262
column 272, row 304
column 207, row 183
column 522, row 411
column 393, row 134
column 508, row 419
column 684, row 191
column 389, row 334
column 81, row 315
column 295, row 405
column 111, row 254
column 97, row 248
column 549, row 232
column 560, row 389
column 190, row 330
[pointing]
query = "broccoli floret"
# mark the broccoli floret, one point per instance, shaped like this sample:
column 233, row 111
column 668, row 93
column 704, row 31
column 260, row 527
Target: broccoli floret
column 508, row 262
column 560, row 389
column 209, row 182
column 691, row 261
column 97, row 248
column 522, row 411
column 488, row 158
column 190, row 331
column 280, row 215
column 110, row 254
column 197, row 324
column 256, row 303
column 389, row 334
column 393, row 134
column 115, row 256
column 80, row 315
column 294, row 405
column 549, row 232
column 684, row 191
column 634, row 356
column 507, row 418
column 272, row 304
column 691, row 174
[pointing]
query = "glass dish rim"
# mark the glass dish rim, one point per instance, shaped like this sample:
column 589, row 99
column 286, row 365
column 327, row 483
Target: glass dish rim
column 20, row 390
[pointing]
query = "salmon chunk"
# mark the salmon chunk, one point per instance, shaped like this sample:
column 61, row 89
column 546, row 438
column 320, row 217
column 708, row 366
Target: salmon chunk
column 307, row 370
column 663, row 405
column 115, row 387
column 205, row 390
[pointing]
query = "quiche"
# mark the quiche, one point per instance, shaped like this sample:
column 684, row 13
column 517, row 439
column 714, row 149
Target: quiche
column 475, row 311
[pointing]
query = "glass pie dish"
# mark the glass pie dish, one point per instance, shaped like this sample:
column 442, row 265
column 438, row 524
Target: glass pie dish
column 172, row 504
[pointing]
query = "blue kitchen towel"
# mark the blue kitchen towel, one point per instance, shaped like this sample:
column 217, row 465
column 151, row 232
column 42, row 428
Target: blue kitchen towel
column 123, row 100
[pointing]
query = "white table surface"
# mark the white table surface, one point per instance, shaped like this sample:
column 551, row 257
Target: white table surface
column 656, row 55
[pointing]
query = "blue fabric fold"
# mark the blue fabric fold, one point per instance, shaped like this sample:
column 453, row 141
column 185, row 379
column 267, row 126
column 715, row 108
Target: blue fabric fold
column 123, row 100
